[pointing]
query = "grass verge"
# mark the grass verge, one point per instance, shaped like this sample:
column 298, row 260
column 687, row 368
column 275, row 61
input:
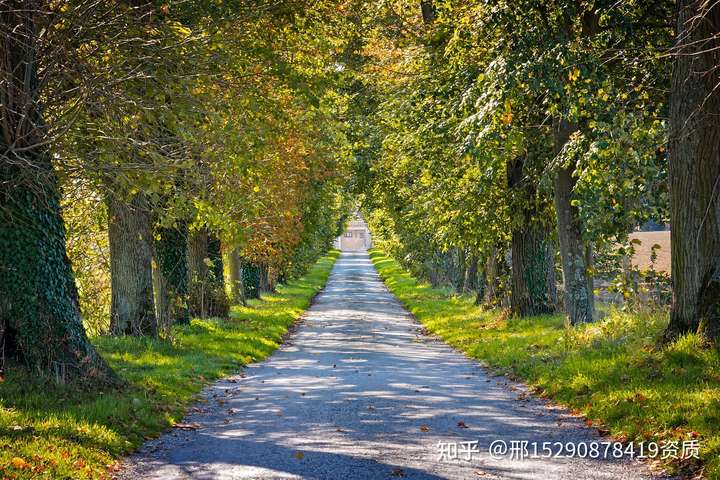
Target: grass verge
column 52, row 431
column 611, row 371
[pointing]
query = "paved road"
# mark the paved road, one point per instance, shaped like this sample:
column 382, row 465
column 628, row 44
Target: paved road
column 360, row 393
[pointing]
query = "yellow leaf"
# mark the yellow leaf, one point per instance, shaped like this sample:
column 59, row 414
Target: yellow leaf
column 19, row 463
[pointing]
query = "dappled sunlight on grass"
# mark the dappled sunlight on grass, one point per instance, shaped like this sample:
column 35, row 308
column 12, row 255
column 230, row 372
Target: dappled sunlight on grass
column 612, row 371
column 58, row 432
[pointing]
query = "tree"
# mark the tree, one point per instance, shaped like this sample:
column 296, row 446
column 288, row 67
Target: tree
column 695, row 172
column 483, row 125
column 171, row 275
column 40, row 322
column 205, row 275
column 122, row 98
column 533, row 289
column 131, row 255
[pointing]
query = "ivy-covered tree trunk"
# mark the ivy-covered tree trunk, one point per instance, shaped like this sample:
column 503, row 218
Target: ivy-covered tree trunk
column 171, row 275
column 40, row 323
column 579, row 302
column 533, row 272
column 219, row 305
column 251, row 279
column 695, row 172
column 533, row 277
column 132, row 308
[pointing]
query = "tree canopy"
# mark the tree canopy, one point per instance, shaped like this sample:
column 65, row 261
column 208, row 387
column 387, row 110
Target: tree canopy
column 150, row 149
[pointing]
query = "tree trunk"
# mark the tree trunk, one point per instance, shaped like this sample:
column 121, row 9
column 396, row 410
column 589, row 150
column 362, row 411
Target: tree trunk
column 694, row 172
column 251, row 279
column 219, row 305
column 163, row 315
column 470, row 283
column 40, row 324
column 533, row 270
column 171, row 275
column 237, row 293
column 198, row 271
column 427, row 8
column 264, row 278
column 578, row 297
column 206, row 276
column 492, row 280
column 481, row 280
column 132, row 309
column 533, row 277
column 460, row 270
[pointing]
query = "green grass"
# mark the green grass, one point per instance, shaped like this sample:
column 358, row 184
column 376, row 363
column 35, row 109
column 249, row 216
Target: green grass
column 613, row 371
column 51, row 431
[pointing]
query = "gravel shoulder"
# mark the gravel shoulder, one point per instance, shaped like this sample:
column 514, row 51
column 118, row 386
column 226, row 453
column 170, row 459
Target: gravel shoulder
column 357, row 392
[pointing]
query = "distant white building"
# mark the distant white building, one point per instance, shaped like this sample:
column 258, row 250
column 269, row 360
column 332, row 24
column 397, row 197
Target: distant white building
column 356, row 237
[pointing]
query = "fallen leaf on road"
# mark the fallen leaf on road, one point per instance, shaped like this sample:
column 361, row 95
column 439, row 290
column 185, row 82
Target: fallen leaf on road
column 424, row 428
column 187, row 426
column 461, row 424
column 397, row 472
column 299, row 455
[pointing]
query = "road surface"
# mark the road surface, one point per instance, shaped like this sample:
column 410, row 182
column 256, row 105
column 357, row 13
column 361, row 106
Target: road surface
column 359, row 392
